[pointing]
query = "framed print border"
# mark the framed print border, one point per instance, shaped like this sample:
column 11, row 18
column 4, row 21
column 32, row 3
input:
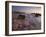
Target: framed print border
column 7, row 17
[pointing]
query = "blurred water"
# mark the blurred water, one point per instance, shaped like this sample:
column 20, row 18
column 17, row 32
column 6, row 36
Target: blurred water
column 29, row 23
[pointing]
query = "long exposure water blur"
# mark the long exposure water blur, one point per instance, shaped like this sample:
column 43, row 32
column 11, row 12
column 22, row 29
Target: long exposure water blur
column 23, row 21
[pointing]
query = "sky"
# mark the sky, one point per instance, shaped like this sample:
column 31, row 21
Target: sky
column 27, row 9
